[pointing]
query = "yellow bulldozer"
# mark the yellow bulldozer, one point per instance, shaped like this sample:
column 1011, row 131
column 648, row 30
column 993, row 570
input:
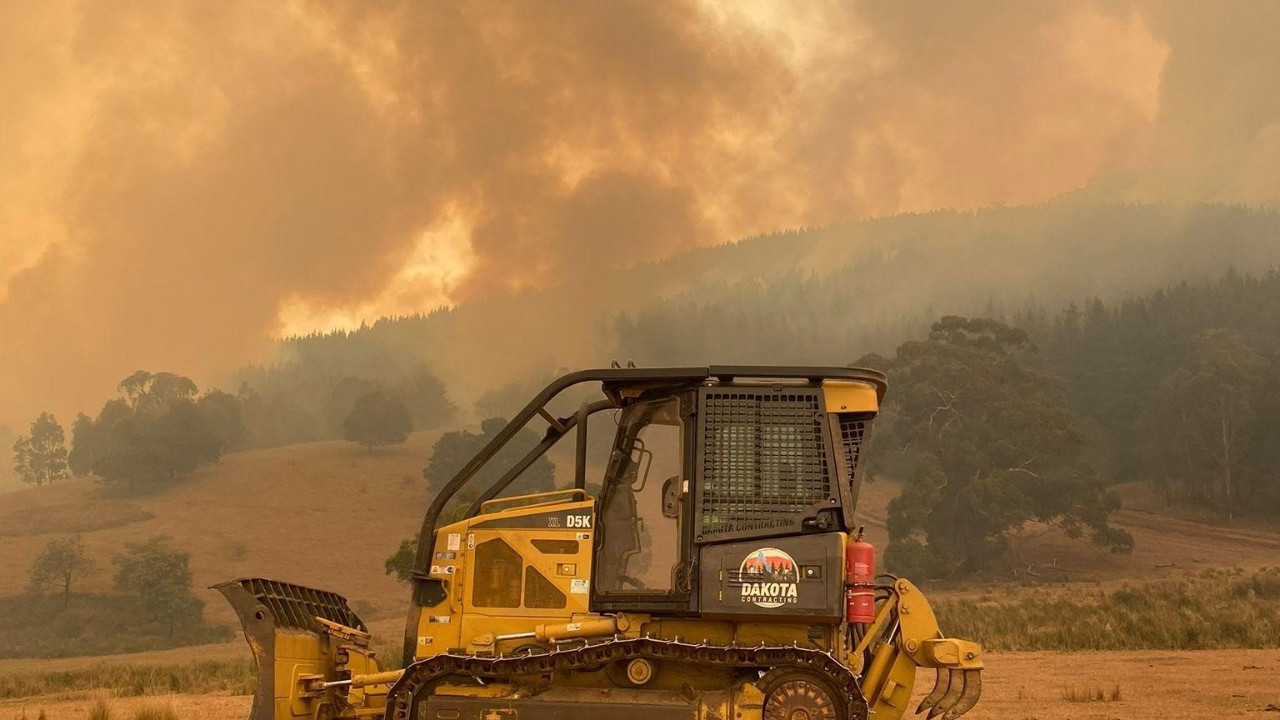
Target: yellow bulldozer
column 715, row 572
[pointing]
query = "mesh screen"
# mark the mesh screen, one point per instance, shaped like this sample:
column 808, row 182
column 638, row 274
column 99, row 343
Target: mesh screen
column 497, row 575
column 764, row 465
column 539, row 592
column 852, row 429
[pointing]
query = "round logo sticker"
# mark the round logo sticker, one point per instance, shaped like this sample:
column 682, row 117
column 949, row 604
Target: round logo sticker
column 769, row 578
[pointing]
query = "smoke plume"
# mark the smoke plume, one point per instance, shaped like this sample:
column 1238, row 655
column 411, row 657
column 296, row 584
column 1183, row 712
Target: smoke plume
column 185, row 181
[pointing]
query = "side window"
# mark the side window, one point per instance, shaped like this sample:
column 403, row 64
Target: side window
column 641, row 513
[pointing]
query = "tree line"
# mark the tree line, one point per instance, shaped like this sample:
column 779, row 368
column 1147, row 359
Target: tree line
column 161, row 427
column 1181, row 386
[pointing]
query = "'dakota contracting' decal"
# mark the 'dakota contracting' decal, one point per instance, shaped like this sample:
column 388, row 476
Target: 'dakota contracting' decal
column 769, row 578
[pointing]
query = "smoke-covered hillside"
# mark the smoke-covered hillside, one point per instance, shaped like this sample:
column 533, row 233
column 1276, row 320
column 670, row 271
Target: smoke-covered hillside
column 814, row 295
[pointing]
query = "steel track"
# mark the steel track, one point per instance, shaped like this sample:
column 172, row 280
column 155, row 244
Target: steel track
column 420, row 677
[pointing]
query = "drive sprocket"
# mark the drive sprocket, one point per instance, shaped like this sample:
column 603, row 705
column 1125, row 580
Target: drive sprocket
column 799, row 695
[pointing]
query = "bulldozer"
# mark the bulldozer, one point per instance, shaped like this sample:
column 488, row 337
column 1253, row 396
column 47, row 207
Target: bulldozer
column 715, row 572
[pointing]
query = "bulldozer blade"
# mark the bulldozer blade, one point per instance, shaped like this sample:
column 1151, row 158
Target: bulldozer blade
column 968, row 697
column 955, row 687
column 939, row 689
column 280, row 625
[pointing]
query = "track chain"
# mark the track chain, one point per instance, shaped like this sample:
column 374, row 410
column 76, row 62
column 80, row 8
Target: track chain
column 421, row 675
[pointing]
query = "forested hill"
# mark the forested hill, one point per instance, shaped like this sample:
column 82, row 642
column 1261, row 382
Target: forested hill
column 811, row 296
column 1182, row 384
column 839, row 292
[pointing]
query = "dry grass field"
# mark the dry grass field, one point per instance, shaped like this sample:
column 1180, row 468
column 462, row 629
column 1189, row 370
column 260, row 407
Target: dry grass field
column 322, row 514
column 1149, row 685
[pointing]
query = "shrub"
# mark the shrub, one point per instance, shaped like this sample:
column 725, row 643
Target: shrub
column 101, row 709
column 1073, row 694
column 155, row 712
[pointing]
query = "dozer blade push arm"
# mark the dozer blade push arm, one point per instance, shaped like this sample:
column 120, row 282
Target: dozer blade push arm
column 914, row 640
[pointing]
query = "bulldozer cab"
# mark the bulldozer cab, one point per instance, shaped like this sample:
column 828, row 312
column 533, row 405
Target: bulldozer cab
column 705, row 464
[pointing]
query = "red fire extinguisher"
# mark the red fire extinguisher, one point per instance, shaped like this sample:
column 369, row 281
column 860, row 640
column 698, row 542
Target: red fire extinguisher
column 859, row 580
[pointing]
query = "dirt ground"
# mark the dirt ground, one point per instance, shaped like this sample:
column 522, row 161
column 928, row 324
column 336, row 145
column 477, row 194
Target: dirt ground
column 1018, row 686
column 1153, row 685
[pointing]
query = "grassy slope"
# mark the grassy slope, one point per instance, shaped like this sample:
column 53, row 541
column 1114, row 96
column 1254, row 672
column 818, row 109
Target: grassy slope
column 328, row 514
column 322, row 514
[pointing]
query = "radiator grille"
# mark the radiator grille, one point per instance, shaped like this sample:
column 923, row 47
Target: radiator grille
column 764, row 464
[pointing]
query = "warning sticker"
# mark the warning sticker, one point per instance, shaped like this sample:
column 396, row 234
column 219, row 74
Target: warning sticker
column 455, row 541
column 443, row 619
column 582, row 536
column 471, row 541
column 578, row 586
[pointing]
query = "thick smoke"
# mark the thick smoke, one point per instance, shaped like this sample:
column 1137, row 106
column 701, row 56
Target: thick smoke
column 184, row 181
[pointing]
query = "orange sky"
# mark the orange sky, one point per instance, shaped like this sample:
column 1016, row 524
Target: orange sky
column 185, row 181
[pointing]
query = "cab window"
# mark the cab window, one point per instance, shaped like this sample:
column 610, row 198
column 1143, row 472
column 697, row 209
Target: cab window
column 641, row 507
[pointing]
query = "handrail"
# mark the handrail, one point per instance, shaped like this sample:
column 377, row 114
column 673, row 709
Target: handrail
column 487, row 506
column 813, row 374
